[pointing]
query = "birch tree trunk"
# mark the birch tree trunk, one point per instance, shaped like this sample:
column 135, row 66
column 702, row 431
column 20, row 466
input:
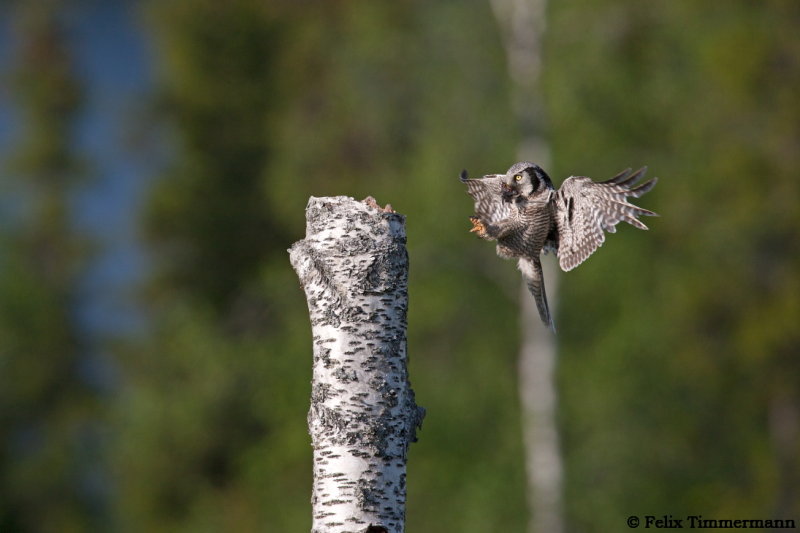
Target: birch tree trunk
column 522, row 24
column 353, row 267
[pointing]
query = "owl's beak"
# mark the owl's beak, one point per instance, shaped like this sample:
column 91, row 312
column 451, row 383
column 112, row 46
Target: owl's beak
column 508, row 192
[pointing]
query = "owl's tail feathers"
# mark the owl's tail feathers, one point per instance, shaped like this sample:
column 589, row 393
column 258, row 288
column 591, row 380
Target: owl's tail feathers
column 531, row 269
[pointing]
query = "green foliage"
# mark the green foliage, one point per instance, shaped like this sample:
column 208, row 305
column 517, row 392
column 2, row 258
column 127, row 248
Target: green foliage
column 679, row 345
column 211, row 422
column 219, row 96
column 209, row 430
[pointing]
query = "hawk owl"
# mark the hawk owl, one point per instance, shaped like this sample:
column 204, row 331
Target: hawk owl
column 524, row 213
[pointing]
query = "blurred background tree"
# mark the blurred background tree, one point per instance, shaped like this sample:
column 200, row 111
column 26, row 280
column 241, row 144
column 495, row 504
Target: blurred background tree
column 678, row 372
column 49, row 406
column 211, row 419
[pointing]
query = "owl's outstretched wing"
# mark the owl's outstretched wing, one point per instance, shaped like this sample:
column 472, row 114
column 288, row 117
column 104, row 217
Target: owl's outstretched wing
column 584, row 209
column 487, row 192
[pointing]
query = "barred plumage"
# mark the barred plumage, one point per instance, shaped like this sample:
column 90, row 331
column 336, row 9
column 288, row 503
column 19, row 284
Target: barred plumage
column 524, row 213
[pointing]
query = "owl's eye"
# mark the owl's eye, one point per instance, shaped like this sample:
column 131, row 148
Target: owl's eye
column 517, row 178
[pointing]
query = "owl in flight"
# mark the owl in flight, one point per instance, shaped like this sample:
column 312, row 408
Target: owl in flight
column 523, row 212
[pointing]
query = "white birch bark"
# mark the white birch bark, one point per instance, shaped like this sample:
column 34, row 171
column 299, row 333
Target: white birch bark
column 353, row 266
column 522, row 23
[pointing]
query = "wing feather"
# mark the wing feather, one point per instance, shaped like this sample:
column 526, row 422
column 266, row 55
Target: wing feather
column 487, row 193
column 585, row 209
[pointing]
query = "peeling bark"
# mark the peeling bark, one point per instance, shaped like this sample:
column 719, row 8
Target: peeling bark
column 353, row 267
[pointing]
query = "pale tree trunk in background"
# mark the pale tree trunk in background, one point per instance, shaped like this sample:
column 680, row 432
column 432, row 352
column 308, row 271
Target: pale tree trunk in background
column 784, row 432
column 353, row 266
column 539, row 401
column 522, row 24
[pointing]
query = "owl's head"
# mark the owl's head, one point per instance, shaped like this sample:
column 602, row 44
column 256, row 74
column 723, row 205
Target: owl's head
column 524, row 179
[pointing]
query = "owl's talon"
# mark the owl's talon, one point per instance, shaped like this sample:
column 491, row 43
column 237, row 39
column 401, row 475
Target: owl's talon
column 477, row 226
